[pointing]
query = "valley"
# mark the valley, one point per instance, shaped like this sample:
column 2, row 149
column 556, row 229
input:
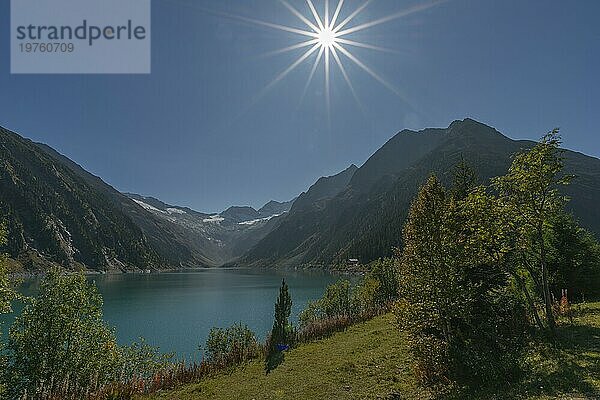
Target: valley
column 58, row 213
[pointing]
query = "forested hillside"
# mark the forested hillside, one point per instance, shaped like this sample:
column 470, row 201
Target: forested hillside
column 54, row 214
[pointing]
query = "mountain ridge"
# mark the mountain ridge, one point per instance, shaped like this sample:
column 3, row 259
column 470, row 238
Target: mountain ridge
column 58, row 213
column 365, row 219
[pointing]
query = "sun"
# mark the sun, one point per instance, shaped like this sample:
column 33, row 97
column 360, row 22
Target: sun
column 326, row 37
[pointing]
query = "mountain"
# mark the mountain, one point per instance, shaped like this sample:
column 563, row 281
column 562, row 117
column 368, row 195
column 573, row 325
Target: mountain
column 58, row 213
column 240, row 214
column 55, row 214
column 174, row 244
column 275, row 208
column 222, row 237
column 324, row 189
column 364, row 219
column 154, row 204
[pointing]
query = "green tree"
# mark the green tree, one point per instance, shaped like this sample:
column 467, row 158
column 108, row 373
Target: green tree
column 283, row 309
column 573, row 259
column 425, row 282
column 337, row 299
column 282, row 331
column 61, row 341
column 530, row 194
column 365, row 295
column 462, row 321
column 60, row 338
column 493, row 235
column 464, row 179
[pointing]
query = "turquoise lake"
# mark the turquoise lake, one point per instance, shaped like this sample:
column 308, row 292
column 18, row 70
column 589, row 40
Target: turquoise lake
column 175, row 311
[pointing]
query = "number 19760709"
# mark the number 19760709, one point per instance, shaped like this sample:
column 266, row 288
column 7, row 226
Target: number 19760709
column 35, row 47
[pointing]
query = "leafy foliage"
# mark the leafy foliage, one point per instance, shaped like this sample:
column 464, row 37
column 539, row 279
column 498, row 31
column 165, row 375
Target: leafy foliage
column 463, row 324
column 231, row 345
column 573, row 259
column 60, row 336
column 7, row 292
column 340, row 300
column 529, row 193
column 385, row 272
column 6, row 295
column 60, row 339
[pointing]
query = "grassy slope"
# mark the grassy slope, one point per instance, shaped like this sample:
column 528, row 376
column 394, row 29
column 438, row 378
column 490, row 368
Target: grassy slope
column 369, row 361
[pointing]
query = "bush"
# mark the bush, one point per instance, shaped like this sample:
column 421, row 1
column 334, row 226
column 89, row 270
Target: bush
column 336, row 301
column 365, row 295
column 141, row 361
column 371, row 294
column 386, row 273
column 231, row 345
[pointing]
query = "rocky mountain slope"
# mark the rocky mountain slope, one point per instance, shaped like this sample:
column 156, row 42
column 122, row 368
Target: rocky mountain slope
column 365, row 219
column 58, row 213
column 222, row 237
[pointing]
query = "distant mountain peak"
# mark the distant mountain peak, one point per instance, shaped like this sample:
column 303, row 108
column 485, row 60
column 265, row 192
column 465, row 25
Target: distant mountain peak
column 275, row 208
column 469, row 125
column 325, row 188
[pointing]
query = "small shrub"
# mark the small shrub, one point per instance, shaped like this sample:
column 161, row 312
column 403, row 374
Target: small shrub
column 231, row 345
column 142, row 360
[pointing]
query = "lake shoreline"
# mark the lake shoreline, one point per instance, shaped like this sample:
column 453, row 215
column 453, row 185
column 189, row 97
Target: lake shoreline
column 332, row 270
column 176, row 310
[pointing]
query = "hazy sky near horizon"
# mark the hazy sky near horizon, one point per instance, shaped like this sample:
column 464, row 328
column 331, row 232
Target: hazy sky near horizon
column 194, row 132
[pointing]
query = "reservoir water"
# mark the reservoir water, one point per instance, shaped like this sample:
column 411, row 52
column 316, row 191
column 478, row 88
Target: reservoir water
column 175, row 311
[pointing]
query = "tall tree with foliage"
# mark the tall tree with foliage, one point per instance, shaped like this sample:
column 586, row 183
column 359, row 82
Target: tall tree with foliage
column 281, row 333
column 462, row 323
column 60, row 337
column 61, row 341
column 385, row 272
column 530, row 194
column 283, row 309
column 464, row 179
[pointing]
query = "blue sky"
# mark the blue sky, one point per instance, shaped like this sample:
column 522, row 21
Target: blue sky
column 194, row 133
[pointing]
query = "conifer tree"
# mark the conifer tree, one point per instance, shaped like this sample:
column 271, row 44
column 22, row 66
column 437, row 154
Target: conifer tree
column 281, row 334
column 283, row 309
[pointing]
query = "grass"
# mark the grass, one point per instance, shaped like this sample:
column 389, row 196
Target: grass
column 370, row 361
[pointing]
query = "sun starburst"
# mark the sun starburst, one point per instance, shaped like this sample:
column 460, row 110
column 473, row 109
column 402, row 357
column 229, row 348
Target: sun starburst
column 328, row 39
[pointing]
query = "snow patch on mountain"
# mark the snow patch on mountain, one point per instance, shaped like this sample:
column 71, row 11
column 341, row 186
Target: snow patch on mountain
column 214, row 218
column 148, row 206
column 254, row 221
